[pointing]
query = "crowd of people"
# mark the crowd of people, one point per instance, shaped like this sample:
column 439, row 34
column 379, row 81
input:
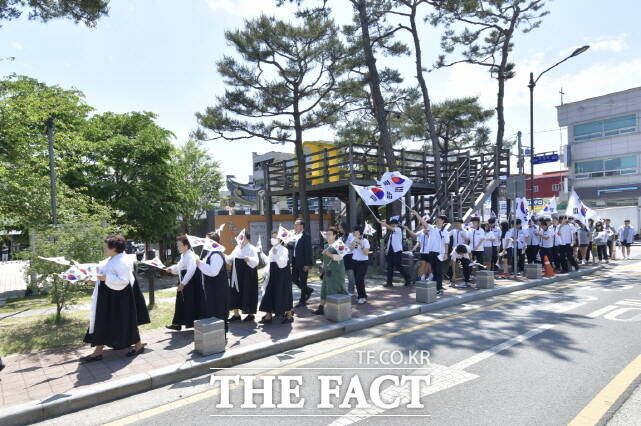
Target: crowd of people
column 213, row 284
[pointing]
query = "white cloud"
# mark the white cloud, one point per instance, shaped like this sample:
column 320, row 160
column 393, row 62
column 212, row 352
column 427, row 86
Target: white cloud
column 250, row 8
column 16, row 45
column 603, row 44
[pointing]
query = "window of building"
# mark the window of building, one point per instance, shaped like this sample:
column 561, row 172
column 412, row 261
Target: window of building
column 606, row 167
column 556, row 187
column 535, row 188
column 608, row 127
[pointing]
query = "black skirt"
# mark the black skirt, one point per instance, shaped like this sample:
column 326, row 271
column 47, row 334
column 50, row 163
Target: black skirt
column 190, row 302
column 246, row 298
column 141, row 305
column 116, row 323
column 217, row 294
column 278, row 297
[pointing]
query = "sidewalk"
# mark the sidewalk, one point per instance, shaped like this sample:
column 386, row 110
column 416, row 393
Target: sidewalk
column 49, row 383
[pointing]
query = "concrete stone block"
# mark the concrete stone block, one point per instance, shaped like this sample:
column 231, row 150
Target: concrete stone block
column 533, row 271
column 484, row 279
column 211, row 342
column 338, row 307
column 209, row 324
column 425, row 294
column 426, row 284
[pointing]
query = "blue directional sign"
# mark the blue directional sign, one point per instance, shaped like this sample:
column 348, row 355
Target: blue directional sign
column 549, row 158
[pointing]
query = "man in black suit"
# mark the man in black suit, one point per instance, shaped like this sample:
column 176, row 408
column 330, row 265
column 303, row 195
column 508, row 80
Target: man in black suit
column 302, row 261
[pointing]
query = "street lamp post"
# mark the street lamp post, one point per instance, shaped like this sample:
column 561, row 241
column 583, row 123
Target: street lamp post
column 531, row 85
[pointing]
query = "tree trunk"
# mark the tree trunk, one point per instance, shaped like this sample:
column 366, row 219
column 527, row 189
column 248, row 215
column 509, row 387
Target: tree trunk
column 300, row 161
column 426, row 99
column 378, row 103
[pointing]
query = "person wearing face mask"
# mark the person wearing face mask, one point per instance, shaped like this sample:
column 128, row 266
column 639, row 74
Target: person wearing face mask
column 244, row 280
column 190, row 296
column 114, row 316
column 278, row 296
column 215, row 282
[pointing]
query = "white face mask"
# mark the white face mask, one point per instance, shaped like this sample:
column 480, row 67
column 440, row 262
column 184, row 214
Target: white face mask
column 274, row 241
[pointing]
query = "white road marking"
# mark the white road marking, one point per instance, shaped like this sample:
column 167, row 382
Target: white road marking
column 441, row 378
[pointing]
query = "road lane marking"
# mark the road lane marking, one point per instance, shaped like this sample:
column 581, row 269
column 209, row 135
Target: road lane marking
column 605, row 402
column 207, row 394
column 440, row 380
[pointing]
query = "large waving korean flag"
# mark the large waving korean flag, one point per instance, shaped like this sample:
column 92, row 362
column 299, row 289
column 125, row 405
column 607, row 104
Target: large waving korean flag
column 578, row 209
column 372, row 195
column 396, row 184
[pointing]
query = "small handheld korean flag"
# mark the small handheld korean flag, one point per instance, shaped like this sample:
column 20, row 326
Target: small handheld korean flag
column 195, row 241
column 340, row 247
column 90, row 270
column 73, row 274
column 285, row 235
column 578, row 209
column 155, row 262
column 241, row 237
column 369, row 229
column 60, row 260
column 211, row 245
column 219, row 230
column 259, row 245
column 324, row 235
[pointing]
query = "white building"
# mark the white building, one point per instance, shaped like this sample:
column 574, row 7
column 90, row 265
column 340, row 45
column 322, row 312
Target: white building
column 604, row 148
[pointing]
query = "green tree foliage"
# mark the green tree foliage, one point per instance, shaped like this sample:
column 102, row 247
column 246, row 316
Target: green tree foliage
column 282, row 86
column 82, row 242
column 483, row 31
column 459, row 124
column 85, row 11
column 25, row 106
column 126, row 164
column 199, row 182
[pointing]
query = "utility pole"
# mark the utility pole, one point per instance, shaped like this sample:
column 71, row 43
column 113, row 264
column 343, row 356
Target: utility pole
column 52, row 173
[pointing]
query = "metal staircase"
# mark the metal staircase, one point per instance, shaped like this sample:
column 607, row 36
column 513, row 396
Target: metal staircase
column 469, row 182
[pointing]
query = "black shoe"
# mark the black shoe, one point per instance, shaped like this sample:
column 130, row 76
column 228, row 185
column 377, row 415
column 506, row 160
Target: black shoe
column 135, row 352
column 174, row 327
column 439, row 292
column 408, row 283
column 388, row 285
column 234, row 318
column 266, row 320
column 308, row 293
column 319, row 311
column 287, row 320
column 90, row 358
column 249, row 318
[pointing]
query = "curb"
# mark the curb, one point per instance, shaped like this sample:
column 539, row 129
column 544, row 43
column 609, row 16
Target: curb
column 57, row 405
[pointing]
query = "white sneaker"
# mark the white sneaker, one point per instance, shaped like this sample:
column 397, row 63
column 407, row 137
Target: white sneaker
column 361, row 301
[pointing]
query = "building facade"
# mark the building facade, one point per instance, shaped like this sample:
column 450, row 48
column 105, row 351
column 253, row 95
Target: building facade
column 604, row 148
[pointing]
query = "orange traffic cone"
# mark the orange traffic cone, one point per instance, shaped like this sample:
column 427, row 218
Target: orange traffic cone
column 549, row 271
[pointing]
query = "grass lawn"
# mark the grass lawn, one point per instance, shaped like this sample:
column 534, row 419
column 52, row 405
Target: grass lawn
column 18, row 304
column 27, row 334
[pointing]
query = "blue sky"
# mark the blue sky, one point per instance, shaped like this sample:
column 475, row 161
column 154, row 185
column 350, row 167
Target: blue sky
column 159, row 55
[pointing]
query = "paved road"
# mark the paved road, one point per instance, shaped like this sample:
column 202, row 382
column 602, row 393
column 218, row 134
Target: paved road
column 539, row 356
